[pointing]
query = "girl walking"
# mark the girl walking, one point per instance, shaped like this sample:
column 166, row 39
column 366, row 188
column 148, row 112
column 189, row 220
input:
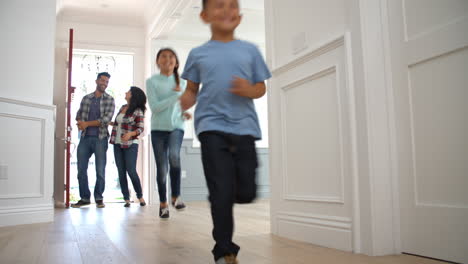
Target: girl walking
column 167, row 126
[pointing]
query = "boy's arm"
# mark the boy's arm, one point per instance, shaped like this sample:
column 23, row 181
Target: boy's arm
column 243, row 87
column 189, row 97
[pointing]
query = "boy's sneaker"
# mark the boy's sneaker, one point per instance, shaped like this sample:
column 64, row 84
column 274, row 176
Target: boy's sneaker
column 228, row 259
column 178, row 204
column 164, row 212
column 80, row 203
column 100, row 204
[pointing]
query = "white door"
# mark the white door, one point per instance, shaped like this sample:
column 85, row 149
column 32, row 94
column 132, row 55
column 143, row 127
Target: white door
column 429, row 46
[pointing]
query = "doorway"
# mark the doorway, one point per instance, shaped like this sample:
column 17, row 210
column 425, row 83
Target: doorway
column 86, row 65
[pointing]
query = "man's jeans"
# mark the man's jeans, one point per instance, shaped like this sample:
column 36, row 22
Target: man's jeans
column 88, row 146
column 126, row 159
column 166, row 147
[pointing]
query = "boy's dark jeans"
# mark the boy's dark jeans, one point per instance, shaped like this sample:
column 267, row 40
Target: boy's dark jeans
column 230, row 163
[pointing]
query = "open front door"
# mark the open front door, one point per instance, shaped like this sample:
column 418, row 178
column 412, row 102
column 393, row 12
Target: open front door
column 70, row 91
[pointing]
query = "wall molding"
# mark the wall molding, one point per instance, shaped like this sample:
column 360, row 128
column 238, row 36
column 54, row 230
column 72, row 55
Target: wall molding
column 26, row 208
column 354, row 162
column 336, row 222
column 445, row 39
column 316, row 52
column 314, row 76
column 25, row 103
column 31, row 207
column 323, row 230
column 42, row 122
column 28, row 214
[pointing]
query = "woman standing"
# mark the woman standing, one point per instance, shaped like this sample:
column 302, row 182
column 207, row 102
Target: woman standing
column 167, row 126
column 128, row 125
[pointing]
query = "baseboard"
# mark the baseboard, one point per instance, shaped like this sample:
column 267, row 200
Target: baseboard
column 26, row 215
column 332, row 232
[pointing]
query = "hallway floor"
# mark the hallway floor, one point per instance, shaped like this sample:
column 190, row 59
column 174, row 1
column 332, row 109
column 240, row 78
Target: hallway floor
column 136, row 235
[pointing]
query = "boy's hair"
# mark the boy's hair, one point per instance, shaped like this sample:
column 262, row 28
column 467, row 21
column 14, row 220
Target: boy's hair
column 204, row 3
column 176, row 69
column 106, row 74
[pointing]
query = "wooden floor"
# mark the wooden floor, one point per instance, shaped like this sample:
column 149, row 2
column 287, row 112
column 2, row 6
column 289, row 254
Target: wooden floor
column 136, row 235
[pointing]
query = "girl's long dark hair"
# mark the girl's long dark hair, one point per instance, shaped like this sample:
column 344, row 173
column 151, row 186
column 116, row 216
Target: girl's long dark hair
column 138, row 100
column 176, row 69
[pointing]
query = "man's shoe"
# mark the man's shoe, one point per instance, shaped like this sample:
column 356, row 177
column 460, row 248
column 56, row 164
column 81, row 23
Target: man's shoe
column 80, row 203
column 164, row 212
column 100, row 204
column 178, row 204
column 228, row 259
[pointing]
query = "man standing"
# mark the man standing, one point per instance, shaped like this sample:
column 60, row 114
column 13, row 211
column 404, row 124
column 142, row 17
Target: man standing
column 93, row 117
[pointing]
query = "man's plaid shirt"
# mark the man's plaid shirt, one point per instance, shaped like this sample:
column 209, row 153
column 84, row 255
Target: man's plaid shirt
column 106, row 107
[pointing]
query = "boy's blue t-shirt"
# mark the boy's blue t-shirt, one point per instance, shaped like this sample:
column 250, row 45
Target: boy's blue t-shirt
column 214, row 65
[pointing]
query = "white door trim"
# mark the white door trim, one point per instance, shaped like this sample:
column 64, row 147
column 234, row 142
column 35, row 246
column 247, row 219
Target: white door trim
column 381, row 140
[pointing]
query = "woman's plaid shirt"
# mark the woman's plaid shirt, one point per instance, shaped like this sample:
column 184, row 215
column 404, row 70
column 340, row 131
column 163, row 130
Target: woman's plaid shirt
column 106, row 107
column 130, row 123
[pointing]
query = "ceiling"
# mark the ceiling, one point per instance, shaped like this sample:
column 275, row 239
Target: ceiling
column 136, row 13
column 114, row 12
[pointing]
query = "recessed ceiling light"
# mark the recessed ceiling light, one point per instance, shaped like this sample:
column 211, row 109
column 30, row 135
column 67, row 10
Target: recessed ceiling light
column 104, row 5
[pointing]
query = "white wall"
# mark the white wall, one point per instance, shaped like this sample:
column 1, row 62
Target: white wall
column 317, row 21
column 27, row 64
column 26, row 110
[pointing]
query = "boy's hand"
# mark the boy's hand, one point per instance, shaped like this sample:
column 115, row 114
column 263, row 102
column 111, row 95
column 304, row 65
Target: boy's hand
column 241, row 87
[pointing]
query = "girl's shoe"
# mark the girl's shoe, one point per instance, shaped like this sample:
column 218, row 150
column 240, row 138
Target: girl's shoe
column 127, row 203
column 142, row 202
column 178, row 204
column 164, row 212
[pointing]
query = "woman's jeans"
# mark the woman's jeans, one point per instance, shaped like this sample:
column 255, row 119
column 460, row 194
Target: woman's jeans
column 166, row 147
column 126, row 159
column 88, row 146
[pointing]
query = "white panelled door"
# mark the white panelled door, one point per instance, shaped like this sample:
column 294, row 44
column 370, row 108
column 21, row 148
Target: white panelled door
column 429, row 52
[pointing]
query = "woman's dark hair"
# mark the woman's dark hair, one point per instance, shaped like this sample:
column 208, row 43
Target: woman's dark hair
column 138, row 100
column 204, row 4
column 176, row 69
